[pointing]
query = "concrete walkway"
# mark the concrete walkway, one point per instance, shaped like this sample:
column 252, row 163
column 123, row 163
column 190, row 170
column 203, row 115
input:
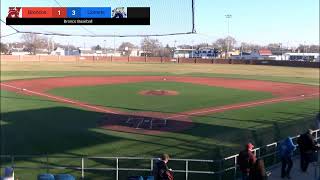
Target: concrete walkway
column 296, row 173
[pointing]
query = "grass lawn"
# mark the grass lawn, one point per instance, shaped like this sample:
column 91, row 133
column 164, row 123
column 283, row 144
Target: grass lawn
column 127, row 97
column 32, row 125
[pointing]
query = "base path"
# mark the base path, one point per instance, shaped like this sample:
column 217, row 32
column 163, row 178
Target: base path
column 283, row 92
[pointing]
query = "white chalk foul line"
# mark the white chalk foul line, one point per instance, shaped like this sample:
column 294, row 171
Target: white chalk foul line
column 60, row 99
column 245, row 105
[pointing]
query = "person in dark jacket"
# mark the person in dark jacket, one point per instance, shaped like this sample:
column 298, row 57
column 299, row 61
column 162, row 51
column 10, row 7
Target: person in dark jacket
column 307, row 147
column 258, row 171
column 162, row 172
column 246, row 160
column 286, row 149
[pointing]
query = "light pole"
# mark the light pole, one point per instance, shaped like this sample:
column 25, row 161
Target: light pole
column 228, row 16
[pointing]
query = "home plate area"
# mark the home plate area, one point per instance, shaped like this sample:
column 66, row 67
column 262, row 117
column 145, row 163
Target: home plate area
column 146, row 123
column 133, row 121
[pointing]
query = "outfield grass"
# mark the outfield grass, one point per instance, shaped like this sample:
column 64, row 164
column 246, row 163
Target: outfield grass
column 190, row 97
column 23, row 70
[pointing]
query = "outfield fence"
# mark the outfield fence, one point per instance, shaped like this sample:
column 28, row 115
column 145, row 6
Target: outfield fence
column 145, row 59
column 217, row 169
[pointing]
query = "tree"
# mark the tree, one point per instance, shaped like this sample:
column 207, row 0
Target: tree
column 97, row 47
column 151, row 46
column 202, row 45
column 314, row 49
column 66, row 47
column 33, row 42
column 308, row 49
column 167, row 51
column 126, row 47
column 247, row 47
column 4, row 48
column 222, row 43
column 185, row 46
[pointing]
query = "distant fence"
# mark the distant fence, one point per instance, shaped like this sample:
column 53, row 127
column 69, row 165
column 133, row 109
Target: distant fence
column 128, row 59
column 216, row 169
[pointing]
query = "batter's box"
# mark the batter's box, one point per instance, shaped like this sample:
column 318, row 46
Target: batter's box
column 157, row 123
column 134, row 121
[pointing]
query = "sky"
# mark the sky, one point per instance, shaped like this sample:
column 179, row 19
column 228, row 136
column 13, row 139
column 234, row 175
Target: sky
column 290, row 22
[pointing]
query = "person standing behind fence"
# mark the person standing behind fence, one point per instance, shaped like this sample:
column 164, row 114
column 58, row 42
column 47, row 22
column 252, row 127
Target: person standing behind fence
column 258, row 171
column 286, row 150
column 161, row 171
column 246, row 160
column 307, row 147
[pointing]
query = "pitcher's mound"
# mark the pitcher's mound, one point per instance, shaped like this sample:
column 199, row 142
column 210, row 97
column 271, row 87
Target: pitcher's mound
column 159, row 92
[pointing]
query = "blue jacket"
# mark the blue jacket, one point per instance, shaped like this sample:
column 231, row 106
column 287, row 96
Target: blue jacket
column 287, row 148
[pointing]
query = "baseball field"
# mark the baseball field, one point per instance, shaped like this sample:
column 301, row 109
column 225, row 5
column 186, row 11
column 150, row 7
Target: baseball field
column 205, row 111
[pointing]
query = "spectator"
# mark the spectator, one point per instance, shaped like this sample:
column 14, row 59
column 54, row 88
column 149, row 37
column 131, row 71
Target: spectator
column 8, row 174
column 258, row 171
column 246, row 160
column 307, row 146
column 162, row 172
column 286, row 150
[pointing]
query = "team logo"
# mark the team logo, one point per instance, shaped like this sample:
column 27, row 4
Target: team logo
column 14, row 12
column 119, row 12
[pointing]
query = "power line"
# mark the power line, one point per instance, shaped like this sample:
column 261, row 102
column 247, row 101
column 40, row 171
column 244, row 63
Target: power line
column 8, row 35
column 10, row 26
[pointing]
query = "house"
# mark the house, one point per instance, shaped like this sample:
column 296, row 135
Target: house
column 182, row 53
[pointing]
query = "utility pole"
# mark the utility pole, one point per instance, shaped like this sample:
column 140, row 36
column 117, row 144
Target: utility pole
column 228, row 16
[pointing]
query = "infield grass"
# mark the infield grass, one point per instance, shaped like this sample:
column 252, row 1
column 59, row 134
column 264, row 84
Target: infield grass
column 190, row 97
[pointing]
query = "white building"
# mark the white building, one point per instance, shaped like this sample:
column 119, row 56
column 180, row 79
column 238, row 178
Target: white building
column 302, row 56
column 182, row 53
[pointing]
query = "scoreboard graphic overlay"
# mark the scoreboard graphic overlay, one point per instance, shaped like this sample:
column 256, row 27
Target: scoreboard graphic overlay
column 78, row 16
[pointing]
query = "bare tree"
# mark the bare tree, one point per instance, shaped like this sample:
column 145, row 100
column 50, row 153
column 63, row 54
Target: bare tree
column 222, row 43
column 308, row 48
column 151, row 46
column 126, row 47
column 167, row 51
column 4, row 48
column 185, row 46
column 248, row 47
column 96, row 48
column 33, row 42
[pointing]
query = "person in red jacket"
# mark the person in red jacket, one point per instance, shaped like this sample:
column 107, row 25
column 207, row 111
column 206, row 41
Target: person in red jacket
column 246, row 160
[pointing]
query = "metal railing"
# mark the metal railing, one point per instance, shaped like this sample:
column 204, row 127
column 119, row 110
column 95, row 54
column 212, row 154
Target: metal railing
column 228, row 164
